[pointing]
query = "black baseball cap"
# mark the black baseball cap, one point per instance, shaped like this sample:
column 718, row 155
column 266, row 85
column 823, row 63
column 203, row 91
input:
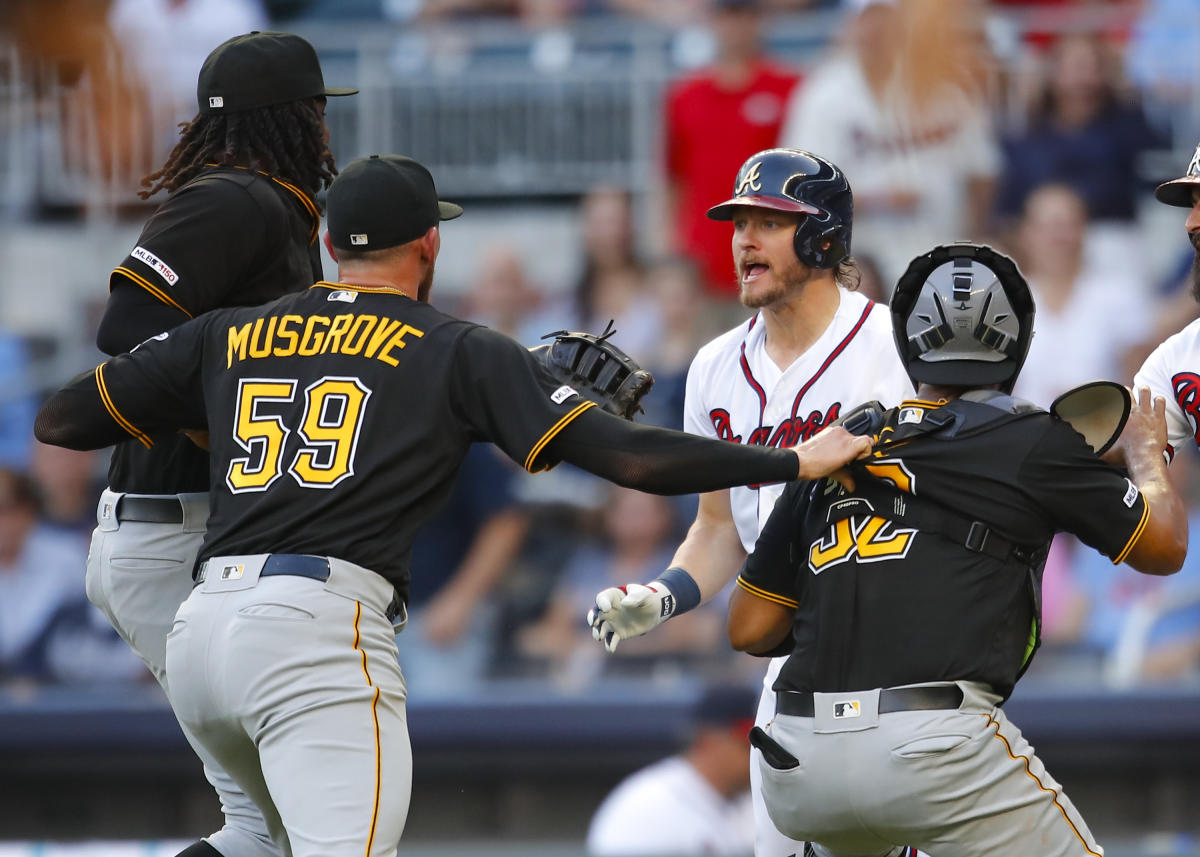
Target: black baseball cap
column 383, row 201
column 258, row 70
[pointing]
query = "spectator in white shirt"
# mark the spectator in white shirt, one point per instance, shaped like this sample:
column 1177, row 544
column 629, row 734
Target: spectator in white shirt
column 697, row 802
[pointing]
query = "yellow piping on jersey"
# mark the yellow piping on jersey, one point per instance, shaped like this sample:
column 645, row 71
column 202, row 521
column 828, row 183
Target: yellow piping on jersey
column 921, row 403
column 375, row 718
column 767, row 596
column 142, row 437
column 1136, row 534
column 151, row 288
column 549, row 436
column 1033, row 776
column 364, row 290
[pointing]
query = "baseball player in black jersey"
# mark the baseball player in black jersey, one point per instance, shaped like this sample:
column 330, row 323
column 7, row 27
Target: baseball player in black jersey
column 336, row 419
column 910, row 604
column 239, row 228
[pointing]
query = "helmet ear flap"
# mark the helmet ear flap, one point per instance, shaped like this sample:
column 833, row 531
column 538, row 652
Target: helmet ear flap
column 820, row 248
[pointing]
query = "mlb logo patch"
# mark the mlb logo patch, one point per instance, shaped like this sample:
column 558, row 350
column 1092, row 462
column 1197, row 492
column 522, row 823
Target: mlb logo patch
column 1131, row 495
column 849, row 708
column 216, row 101
column 358, row 238
column 343, row 296
column 911, row 415
column 562, row 394
column 232, row 572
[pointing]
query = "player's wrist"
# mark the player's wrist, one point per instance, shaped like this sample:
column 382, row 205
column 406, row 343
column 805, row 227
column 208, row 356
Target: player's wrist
column 681, row 588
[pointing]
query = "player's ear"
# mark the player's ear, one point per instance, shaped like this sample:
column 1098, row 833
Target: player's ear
column 431, row 244
column 329, row 246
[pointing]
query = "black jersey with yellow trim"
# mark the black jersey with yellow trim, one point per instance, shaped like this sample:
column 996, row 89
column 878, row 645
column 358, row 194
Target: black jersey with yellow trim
column 338, row 417
column 229, row 237
column 880, row 604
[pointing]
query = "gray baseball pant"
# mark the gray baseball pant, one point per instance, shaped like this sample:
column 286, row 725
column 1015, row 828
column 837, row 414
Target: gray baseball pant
column 138, row 574
column 954, row 783
column 292, row 684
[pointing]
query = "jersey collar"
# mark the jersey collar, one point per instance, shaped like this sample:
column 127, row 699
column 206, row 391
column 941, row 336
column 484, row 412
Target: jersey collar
column 365, row 290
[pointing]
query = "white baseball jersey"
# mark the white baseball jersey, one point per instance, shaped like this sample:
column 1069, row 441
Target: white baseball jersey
column 670, row 809
column 736, row 392
column 1173, row 372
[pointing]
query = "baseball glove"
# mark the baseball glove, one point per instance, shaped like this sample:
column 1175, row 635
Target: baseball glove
column 601, row 371
column 1097, row 410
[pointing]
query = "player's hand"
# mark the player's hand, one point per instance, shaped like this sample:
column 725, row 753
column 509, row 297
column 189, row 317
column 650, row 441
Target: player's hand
column 628, row 611
column 1145, row 430
column 829, row 452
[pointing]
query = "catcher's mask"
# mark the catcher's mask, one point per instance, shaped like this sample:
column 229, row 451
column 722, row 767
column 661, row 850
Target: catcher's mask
column 804, row 183
column 962, row 316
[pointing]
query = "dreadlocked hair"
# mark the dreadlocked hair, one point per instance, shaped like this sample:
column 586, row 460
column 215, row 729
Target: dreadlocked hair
column 284, row 140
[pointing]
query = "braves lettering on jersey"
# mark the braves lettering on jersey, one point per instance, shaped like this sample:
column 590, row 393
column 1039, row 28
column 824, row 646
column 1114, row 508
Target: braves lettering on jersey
column 1173, row 371
column 736, row 392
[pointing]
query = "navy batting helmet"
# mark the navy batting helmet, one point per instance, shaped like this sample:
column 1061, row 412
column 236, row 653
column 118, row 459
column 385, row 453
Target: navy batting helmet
column 962, row 315
column 804, row 183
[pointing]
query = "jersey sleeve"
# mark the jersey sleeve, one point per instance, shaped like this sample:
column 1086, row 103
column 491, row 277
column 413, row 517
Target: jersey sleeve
column 197, row 246
column 1082, row 495
column 154, row 388
column 770, row 571
column 157, row 387
column 506, row 396
column 1168, row 374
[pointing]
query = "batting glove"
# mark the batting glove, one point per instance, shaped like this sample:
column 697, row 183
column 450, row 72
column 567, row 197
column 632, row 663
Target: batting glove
column 628, row 611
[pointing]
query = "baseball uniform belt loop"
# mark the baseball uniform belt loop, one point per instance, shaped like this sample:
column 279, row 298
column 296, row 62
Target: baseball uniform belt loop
column 303, row 565
column 891, row 699
column 149, row 510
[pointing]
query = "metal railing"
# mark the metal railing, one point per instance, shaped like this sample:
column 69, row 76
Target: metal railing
column 493, row 109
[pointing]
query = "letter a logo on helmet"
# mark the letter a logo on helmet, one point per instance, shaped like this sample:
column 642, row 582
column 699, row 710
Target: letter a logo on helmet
column 750, row 180
column 802, row 183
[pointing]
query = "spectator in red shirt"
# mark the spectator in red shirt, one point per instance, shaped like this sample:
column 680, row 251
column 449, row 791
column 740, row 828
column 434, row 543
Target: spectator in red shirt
column 715, row 119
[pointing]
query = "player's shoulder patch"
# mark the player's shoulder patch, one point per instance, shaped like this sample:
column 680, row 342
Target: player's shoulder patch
column 1131, row 494
column 155, row 264
column 562, row 394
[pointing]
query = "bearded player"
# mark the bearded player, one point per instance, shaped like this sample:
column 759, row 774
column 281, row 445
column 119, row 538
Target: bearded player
column 1173, row 369
column 813, row 350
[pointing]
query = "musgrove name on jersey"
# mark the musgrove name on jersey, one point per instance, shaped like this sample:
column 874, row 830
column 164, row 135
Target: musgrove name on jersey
column 372, row 336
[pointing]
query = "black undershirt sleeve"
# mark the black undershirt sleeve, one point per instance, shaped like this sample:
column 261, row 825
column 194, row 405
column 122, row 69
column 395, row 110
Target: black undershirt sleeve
column 75, row 417
column 131, row 316
column 661, row 461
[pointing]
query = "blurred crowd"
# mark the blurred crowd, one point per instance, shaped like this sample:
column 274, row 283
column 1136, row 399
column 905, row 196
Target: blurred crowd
column 950, row 122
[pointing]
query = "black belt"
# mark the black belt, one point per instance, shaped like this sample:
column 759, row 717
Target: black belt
column 891, row 699
column 149, row 510
column 300, row 565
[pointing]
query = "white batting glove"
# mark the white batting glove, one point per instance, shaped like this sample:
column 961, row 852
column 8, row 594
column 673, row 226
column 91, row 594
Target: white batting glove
column 628, row 611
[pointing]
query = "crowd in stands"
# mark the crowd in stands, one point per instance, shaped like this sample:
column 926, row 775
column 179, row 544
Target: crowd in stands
column 1056, row 172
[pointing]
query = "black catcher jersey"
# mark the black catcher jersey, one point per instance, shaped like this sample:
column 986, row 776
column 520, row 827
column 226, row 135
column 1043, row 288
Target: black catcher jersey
column 879, row 604
column 337, row 417
column 229, row 237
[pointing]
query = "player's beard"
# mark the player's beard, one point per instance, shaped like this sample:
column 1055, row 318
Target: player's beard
column 1195, row 238
column 785, row 283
